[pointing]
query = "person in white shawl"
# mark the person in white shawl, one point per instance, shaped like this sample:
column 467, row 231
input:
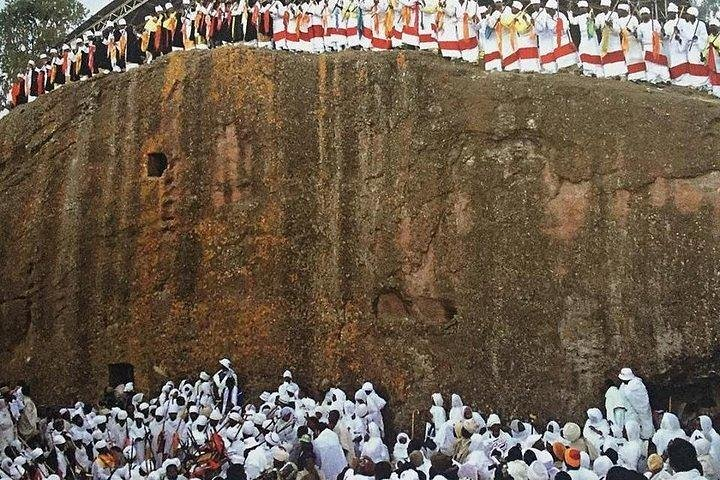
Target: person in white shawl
column 710, row 468
column 437, row 412
column 636, row 394
column 618, row 409
column 358, row 424
column 601, row 466
column 669, row 429
column 456, row 408
column 447, row 445
column 495, row 438
column 552, row 433
column 288, row 385
column 595, row 430
column 400, row 451
column 226, row 382
column 329, row 453
column 633, row 453
column 537, row 471
column 478, row 460
column 516, row 467
column 373, row 447
column 375, row 403
column 520, row 431
column 256, row 460
column 709, row 433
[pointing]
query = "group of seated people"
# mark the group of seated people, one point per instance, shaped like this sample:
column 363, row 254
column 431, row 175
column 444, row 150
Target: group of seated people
column 200, row 428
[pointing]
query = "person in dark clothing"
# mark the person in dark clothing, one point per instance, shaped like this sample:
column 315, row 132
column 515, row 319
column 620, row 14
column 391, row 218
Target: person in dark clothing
column 250, row 31
column 133, row 54
column 383, row 470
column 102, row 62
column 441, row 464
column 177, row 42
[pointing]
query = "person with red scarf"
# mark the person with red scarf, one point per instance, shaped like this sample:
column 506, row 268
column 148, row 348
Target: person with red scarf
column 713, row 56
column 17, row 91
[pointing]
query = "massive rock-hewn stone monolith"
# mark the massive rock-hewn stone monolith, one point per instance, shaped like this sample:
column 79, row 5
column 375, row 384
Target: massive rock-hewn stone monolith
column 392, row 217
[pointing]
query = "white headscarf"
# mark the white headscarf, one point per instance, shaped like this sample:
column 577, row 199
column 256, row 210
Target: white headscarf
column 601, row 466
column 669, row 429
column 632, row 454
column 552, row 433
column 400, row 451
column 456, row 410
column 439, row 417
column 374, row 448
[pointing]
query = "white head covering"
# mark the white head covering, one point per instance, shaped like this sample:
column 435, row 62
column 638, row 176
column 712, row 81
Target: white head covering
column 644, row 10
column 551, row 4
column 625, row 7
column 582, row 4
column 493, row 419
column 672, row 7
column 602, row 465
column 122, row 22
column 669, row 429
column 400, row 451
column 692, row 11
column 409, row 475
column 584, row 459
column 517, row 5
column 571, row 432
column 537, row 471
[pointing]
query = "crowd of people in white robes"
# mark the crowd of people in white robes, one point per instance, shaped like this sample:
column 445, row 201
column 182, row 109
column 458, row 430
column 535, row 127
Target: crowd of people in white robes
column 620, row 40
column 201, row 428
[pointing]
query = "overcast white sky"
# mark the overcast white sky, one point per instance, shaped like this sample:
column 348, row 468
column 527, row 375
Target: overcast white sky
column 92, row 5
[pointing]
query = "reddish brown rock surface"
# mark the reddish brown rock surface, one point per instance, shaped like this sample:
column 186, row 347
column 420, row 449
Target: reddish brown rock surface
column 392, row 217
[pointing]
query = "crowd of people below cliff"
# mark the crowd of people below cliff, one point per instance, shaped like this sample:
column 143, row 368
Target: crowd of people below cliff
column 200, row 428
column 620, row 40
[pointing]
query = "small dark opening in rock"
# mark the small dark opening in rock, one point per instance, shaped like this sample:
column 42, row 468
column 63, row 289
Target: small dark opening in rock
column 120, row 373
column 449, row 308
column 156, row 164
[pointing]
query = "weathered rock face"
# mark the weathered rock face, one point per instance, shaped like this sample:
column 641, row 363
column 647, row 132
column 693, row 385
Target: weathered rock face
column 392, row 217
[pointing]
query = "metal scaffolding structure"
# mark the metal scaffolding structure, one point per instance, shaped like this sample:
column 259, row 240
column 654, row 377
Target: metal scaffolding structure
column 133, row 11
